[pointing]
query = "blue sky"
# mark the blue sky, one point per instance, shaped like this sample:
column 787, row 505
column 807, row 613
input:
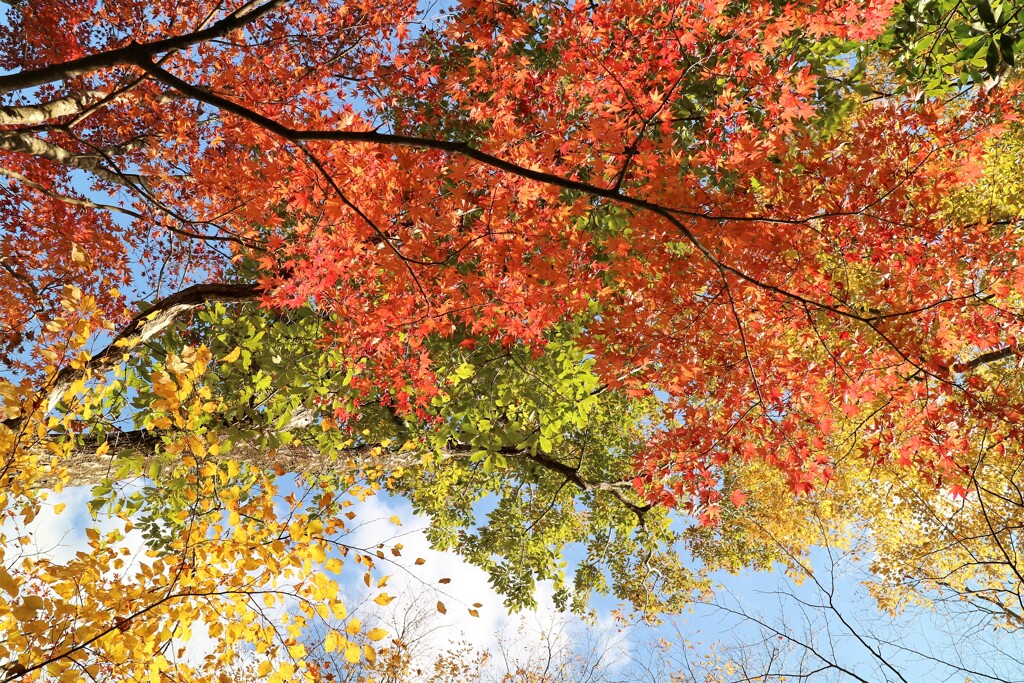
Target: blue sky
column 752, row 615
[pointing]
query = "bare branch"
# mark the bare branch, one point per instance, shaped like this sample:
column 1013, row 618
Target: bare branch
column 29, row 115
column 93, row 163
column 36, row 114
column 990, row 357
column 74, row 201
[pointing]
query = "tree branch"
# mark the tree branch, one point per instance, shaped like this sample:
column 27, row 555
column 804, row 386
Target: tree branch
column 672, row 215
column 129, row 53
column 93, row 163
column 989, row 357
column 29, row 115
column 572, row 475
column 73, row 201
column 143, row 327
column 86, row 468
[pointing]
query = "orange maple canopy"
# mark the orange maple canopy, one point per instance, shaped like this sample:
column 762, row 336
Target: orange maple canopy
column 704, row 189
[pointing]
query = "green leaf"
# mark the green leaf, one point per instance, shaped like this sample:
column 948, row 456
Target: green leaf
column 985, row 12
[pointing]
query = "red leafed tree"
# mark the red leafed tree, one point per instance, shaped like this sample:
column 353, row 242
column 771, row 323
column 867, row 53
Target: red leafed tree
column 699, row 181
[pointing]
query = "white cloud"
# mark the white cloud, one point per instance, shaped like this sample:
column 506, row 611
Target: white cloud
column 414, row 586
column 416, row 589
column 59, row 536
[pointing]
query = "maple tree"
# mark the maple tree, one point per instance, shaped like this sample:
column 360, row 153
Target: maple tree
column 598, row 260
column 589, row 228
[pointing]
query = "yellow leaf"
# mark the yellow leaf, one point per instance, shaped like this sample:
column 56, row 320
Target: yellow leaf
column 383, row 581
column 233, row 356
column 160, row 423
column 317, row 553
column 333, row 565
column 441, row 608
column 159, row 664
column 103, row 448
column 383, row 599
column 59, row 508
column 333, row 641
column 352, row 652
column 370, row 654
column 7, row 583
column 376, row 633
column 264, row 668
column 353, row 626
column 395, row 520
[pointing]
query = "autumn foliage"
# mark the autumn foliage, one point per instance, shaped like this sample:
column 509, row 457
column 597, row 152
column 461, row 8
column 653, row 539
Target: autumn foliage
column 732, row 235
column 769, row 278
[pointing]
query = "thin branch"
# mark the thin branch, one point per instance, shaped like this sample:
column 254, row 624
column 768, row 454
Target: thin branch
column 572, row 475
column 74, row 201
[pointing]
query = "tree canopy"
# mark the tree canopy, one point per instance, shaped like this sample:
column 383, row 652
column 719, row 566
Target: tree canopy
column 672, row 286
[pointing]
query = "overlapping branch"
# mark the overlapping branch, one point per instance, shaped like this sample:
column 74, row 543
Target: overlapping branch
column 672, row 215
column 147, row 325
column 31, row 78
